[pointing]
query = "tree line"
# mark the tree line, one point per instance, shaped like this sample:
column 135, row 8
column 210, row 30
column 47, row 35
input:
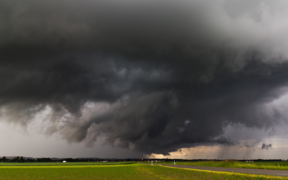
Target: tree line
column 22, row 159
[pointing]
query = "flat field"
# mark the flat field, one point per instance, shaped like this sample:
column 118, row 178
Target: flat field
column 81, row 164
column 277, row 165
column 112, row 171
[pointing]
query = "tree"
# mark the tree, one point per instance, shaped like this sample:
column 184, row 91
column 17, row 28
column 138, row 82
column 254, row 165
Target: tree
column 16, row 159
column 4, row 159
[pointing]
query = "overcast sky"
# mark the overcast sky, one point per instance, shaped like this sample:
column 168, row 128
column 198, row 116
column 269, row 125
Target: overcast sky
column 189, row 79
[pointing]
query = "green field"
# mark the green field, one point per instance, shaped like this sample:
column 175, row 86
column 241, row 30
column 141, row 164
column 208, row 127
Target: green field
column 64, row 164
column 237, row 164
column 83, row 171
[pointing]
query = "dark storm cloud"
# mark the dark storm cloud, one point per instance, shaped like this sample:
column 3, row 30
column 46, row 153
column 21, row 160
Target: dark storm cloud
column 150, row 76
column 266, row 146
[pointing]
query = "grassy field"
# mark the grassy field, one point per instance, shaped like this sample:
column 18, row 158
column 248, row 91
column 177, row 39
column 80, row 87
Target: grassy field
column 64, row 164
column 112, row 171
column 236, row 164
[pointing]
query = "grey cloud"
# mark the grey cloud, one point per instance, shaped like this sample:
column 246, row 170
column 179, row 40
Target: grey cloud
column 159, row 75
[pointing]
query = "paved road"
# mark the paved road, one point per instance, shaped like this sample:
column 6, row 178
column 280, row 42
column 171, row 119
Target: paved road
column 236, row 170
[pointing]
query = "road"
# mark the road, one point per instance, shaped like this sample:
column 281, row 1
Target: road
column 235, row 170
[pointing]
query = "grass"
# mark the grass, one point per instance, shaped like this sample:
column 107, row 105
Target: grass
column 63, row 164
column 237, row 164
column 112, row 171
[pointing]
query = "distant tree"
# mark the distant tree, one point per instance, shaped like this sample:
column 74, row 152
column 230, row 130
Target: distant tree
column 4, row 159
column 21, row 159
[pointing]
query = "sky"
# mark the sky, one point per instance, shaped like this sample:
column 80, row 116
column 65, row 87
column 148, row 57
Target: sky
column 164, row 79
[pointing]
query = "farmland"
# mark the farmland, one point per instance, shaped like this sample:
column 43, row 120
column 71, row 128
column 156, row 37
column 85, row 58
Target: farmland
column 274, row 165
column 51, row 164
column 111, row 171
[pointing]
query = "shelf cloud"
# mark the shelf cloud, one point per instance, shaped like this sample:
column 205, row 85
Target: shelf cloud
column 150, row 76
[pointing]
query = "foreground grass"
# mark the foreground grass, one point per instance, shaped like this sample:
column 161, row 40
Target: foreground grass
column 236, row 164
column 132, row 171
column 63, row 164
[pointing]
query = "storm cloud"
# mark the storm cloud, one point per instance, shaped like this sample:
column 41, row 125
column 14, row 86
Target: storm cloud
column 149, row 76
column 266, row 146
